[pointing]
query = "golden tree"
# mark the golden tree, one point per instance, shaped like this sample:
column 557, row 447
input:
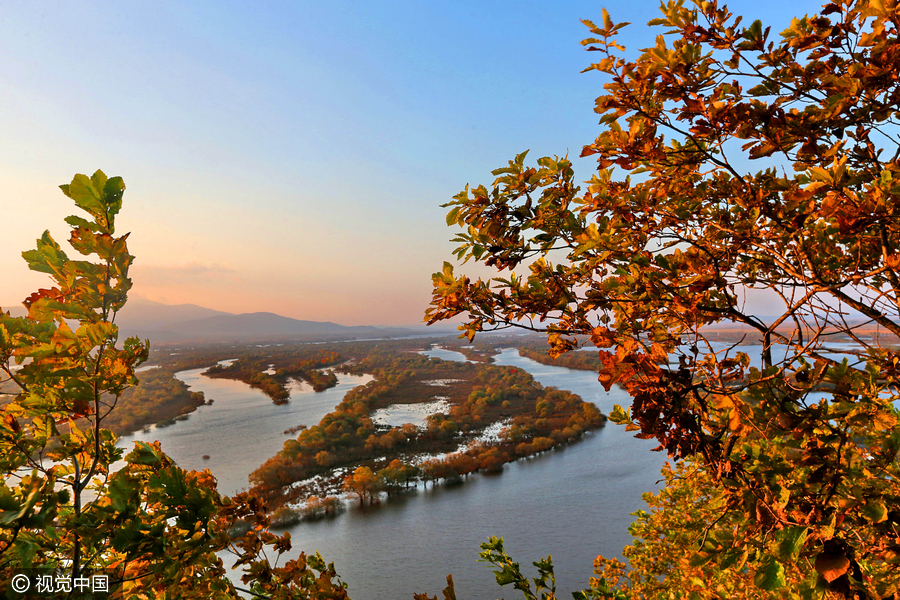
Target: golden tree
column 728, row 162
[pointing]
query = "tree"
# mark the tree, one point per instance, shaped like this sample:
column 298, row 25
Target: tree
column 728, row 162
column 663, row 559
column 151, row 527
column 365, row 484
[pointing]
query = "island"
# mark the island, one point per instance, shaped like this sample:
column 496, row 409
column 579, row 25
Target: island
column 479, row 417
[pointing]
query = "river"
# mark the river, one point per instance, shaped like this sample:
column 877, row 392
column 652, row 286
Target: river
column 573, row 503
column 242, row 428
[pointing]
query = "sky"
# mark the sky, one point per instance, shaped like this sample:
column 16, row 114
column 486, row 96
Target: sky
column 291, row 157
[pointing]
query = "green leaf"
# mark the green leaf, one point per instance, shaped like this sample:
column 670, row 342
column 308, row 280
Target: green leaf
column 790, row 542
column 76, row 221
column 85, row 195
column 754, row 32
column 770, row 574
column 144, row 454
column 98, row 179
column 122, row 490
column 113, row 191
column 875, row 511
column 619, row 416
column 662, row 261
column 97, row 333
column 452, row 215
column 48, row 257
column 508, row 574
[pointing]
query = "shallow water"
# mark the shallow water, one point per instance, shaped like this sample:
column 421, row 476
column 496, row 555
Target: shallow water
column 398, row 415
column 242, row 428
column 573, row 503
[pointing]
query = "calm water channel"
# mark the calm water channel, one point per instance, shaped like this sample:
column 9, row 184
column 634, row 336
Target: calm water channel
column 573, row 503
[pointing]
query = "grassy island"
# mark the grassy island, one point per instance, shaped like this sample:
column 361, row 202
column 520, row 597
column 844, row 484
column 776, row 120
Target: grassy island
column 271, row 374
column 489, row 415
column 159, row 398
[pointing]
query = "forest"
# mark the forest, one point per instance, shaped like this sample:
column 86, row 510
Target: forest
column 159, row 398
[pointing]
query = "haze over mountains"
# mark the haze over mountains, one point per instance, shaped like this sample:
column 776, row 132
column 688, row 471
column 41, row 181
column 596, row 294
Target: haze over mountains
column 184, row 322
column 190, row 322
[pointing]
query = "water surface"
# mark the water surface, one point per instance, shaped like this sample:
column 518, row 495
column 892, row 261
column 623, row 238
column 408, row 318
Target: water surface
column 242, row 428
column 573, row 503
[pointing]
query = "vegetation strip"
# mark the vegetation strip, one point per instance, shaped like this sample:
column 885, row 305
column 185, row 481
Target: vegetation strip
column 389, row 459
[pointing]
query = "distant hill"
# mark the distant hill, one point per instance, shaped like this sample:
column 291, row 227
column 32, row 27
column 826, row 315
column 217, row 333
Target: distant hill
column 265, row 323
column 189, row 322
column 146, row 314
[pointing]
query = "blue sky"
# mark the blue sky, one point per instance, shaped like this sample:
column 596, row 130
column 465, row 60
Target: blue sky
column 290, row 157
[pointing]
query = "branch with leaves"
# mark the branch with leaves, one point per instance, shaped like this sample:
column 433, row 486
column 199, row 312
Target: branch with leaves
column 152, row 527
column 671, row 232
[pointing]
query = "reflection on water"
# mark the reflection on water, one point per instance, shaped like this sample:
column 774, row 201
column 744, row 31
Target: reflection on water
column 573, row 503
column 242, row 428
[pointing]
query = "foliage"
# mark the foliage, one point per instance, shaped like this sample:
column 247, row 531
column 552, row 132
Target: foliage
column 253, row 375
column 540, row 419
column 673, row 229
column 365, row 484
column 508, row 572
column 664, row 560
column 253, row 370
column 152, row 527
column 586, row 361
column 158, row 396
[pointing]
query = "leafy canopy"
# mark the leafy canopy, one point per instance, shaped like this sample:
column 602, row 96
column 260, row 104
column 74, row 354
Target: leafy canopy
column 153, row 528
column 730, row 160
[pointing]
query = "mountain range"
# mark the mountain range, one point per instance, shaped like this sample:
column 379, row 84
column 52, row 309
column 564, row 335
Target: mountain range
column 189, row 322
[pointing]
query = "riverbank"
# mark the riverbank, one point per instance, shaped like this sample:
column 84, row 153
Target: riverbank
column 276, row 369
column 272, row 373
column 531, row 346
column 573, row 502
column 349, row 452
